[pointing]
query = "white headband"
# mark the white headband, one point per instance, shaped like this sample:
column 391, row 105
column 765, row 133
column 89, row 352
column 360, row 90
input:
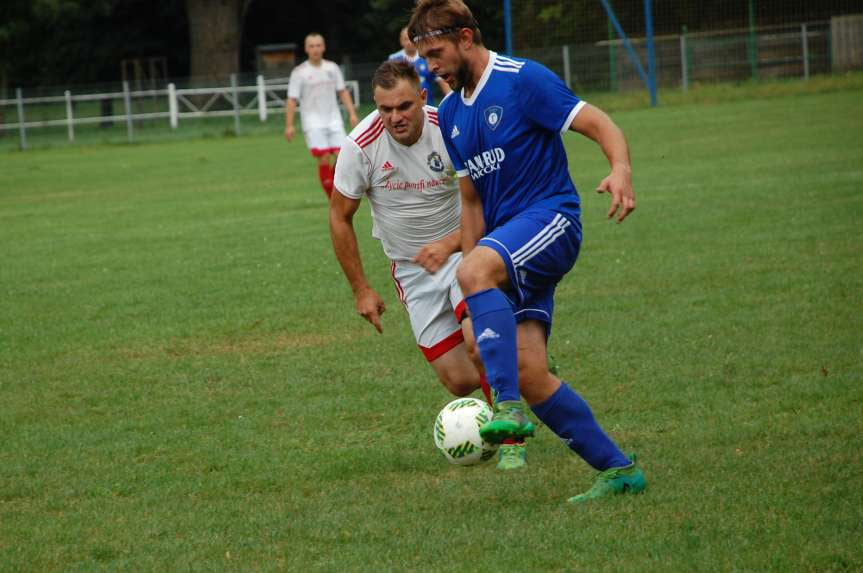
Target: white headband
column 434, row 33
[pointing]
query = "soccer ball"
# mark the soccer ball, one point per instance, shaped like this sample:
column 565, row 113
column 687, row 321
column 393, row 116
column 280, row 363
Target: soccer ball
column 456, row 432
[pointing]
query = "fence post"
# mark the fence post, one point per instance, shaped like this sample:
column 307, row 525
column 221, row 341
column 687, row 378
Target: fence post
column 236, row 104
column 22, row 129
column 70, row 121
column 127, row 101
column 262, row 99
column 753, row 42
column 172, row 105
column 804, row 35
column 567, row 73
column 684, row 62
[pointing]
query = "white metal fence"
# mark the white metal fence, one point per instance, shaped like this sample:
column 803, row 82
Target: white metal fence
column 170, row 103
column 731, row 55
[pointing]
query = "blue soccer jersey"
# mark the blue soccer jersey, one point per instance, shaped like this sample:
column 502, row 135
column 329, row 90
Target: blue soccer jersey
column 427, row 77
column 507, row 138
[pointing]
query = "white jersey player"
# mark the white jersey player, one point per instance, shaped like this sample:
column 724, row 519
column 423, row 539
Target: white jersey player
column 397, row 159
column 315, row 84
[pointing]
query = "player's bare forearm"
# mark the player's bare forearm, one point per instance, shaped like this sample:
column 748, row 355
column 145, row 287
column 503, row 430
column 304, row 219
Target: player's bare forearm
column 369, row 304
column 433, row 256
column 472, row 221
column 595, row 124
column 348, row 102
column 344, row 241
column 290, row 111
column 451, row 243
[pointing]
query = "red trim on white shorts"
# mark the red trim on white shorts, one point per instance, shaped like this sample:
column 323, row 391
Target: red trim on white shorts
column 319, row 152
column 399, row 290
column 443, row 346
column 460, row 311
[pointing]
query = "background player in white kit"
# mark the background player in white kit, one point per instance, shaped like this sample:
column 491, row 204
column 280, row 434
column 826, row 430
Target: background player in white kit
column 314, row 84
column 396, row 157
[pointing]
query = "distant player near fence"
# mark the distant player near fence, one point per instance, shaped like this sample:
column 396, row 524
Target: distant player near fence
column 428, row 80
column 314, row 84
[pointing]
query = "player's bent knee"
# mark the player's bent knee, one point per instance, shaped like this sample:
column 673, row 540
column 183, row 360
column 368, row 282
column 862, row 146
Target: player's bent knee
column 460, row 386
column 472, row 278
column 464, row 276
column 461, row 390
column 481, row 269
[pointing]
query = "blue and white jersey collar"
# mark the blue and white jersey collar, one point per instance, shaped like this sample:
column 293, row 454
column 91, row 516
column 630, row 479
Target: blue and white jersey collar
column 492, row 56
column 495, row 62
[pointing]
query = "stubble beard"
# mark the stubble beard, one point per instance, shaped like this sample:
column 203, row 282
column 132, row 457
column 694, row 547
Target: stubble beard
column 462, row 76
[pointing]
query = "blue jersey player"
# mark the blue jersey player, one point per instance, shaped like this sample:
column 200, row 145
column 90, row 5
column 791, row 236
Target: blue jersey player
column 521, row 228
column 409, row 54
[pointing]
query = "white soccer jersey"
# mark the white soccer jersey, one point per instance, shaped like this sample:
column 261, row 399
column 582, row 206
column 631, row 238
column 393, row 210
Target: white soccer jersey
column 412, row 190
column 315, row 88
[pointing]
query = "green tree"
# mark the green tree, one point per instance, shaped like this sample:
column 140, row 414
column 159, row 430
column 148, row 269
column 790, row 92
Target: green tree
column 68, row 42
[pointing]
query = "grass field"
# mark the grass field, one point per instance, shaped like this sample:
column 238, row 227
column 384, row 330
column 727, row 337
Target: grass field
column 184, row 384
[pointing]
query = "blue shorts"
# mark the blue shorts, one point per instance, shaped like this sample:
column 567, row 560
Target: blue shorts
column 538, row 246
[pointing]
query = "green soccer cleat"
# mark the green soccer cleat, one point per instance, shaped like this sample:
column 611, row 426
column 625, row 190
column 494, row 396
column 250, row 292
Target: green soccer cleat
column 613, row 481
column 512, row 456
column 509, row 422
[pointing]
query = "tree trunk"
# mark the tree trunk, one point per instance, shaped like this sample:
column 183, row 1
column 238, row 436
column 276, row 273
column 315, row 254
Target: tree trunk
column 215, row 30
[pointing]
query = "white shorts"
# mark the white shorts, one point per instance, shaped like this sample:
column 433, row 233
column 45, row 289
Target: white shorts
column 433, row 302
column 323, row 140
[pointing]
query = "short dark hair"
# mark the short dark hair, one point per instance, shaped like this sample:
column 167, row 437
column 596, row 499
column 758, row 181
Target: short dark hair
column 390, row 72
column 441, row 18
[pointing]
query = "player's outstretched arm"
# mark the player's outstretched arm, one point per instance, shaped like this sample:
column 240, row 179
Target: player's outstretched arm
column 348, row 102
column 432, row 257
column 368, row 303
column 472, row 221
column 592, row 122
column 290, row 111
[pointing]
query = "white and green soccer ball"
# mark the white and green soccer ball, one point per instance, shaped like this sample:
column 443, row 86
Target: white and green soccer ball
column 456, row 432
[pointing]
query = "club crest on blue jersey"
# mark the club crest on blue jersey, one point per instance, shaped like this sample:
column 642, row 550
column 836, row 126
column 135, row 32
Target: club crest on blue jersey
column 435, row 162
column 493, row 115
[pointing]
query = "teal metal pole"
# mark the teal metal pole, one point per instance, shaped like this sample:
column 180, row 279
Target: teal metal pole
column 651, row 53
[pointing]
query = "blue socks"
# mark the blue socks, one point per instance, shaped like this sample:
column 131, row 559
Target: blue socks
column 564, row 412
column 495, row 332
column 568, row 415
